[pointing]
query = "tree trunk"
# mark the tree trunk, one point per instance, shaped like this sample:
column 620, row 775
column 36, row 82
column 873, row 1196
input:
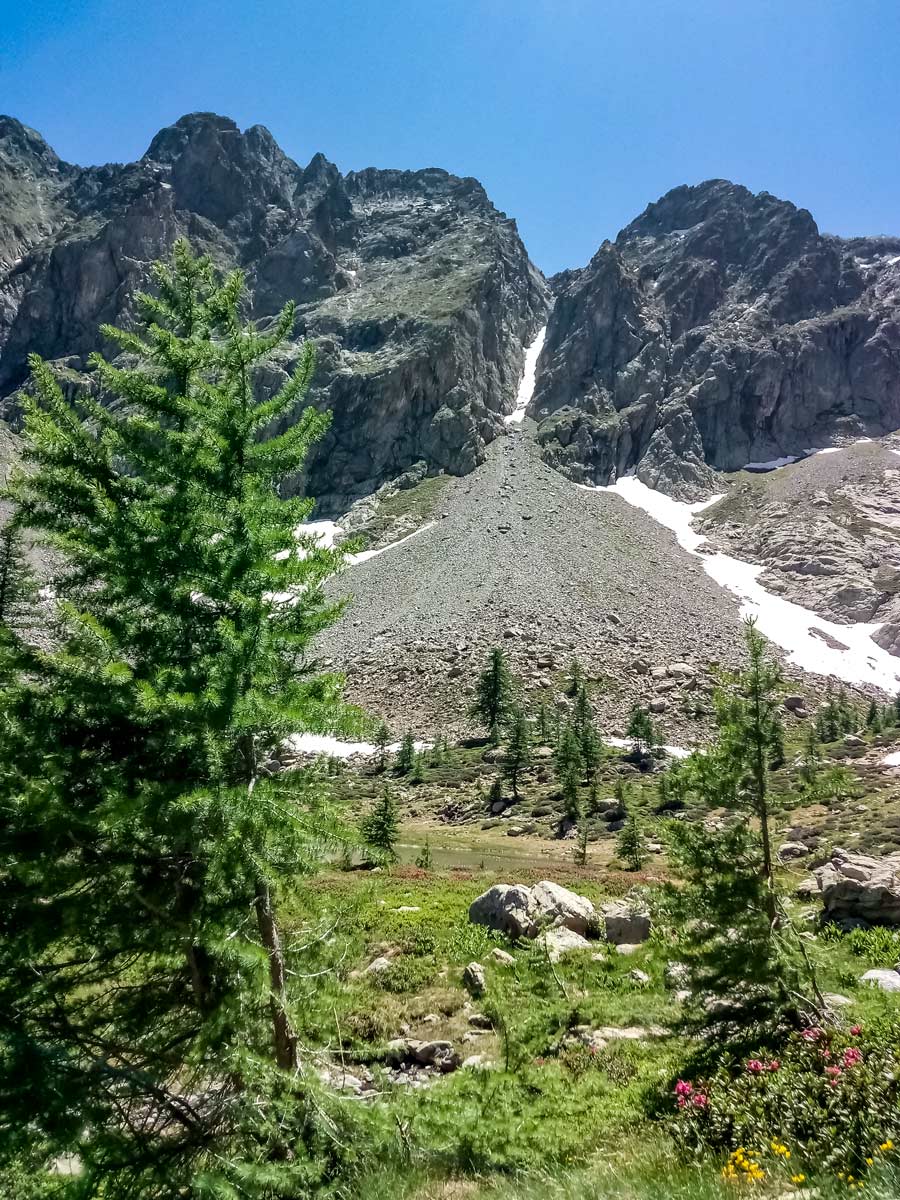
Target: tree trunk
column 285, row 1038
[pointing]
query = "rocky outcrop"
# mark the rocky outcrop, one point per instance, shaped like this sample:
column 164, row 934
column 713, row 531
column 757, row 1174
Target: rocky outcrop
column 525, row 912
column 720, row 328
column 417, row 291
column 858, row 890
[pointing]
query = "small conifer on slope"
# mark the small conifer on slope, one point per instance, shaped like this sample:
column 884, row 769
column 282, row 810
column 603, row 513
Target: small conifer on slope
column 494, row 697
column 141, row 958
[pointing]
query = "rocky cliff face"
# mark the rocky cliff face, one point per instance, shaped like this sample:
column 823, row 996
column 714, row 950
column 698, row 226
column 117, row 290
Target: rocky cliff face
column 417, row 291
column 719, row 328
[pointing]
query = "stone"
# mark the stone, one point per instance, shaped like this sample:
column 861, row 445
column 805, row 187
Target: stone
column 884, row 979
column 794, row 703
column 475, row 1062
column 834, row 1000
column 397, row 1051
column 480, row 1021
column 505, row 907
column 852, row 742
column 556, row 905
column 658, row 704
column 502, row 957
column 441, row 1055
column 808, row 889
column 676, row 975
column 560, row 941
column 791, row 850
column 626, row 923
column 680, row 670
column 474, row 979
column 860, row 888
column 378, row 965
column 627, row 948
column 639, row 977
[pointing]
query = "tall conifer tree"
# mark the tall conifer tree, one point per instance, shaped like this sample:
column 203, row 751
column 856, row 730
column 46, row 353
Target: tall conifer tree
column 144, row 1004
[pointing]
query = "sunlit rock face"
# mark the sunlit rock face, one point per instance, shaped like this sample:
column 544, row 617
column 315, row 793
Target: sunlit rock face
column 719, row 328
column 418, row 292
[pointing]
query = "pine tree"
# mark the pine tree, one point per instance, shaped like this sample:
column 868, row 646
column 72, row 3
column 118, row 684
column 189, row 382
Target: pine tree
column 379, row 829
column 382, row 742
column 418, row 771
column 143, row 852
column 494, row 695
column 575, row 681
column 591, row 753
column 580, row 853
column 811, row 759
column 622, row 793
column 18, row 603
column 641, row 731
column 544, row 724
column 406, row 755
column 568, row 771
column 873, row 718
column 632, row 847
column 743, row 948
column 582, row 713
column 518, row 752
column 425, row 861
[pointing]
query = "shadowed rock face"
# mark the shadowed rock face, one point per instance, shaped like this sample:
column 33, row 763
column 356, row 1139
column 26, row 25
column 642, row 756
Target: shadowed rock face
column 719, row 328
column 417, row 291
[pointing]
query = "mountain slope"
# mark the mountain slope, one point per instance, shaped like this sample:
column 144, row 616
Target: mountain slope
column 417, row 291
column 719, row 328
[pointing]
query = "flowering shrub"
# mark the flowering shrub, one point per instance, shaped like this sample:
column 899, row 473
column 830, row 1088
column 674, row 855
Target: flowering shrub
column 830, row 1102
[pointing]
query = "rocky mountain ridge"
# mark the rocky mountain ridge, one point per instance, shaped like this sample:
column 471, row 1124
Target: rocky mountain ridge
column 720, row 328
column 417, row 291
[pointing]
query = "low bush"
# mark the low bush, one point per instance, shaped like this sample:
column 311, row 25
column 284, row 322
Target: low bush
column 829, row 1103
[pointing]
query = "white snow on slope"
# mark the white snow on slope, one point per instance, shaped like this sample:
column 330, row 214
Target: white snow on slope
column 892, row 759
column 795, row 629
column 626, row 744
column 325, row 534
column 526, row 387
column 313, row 744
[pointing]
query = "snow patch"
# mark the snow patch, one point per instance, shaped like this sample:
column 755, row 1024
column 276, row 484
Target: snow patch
column 526, row 387
column 892, row 759
column 803, row 634
column 311, row 745
column 626, row 744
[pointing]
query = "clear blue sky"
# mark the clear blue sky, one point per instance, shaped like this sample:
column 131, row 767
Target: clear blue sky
column 573, row 113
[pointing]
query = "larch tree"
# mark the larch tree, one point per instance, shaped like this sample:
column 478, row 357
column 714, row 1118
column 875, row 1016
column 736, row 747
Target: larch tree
column 494, row 695
column 518, row 751
column 143, row 848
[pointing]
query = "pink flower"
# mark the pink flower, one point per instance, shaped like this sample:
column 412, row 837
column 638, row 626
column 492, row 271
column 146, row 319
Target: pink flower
column 683, row 1088
column 682, row 1101
column 774, row 1065
column 852, row 1056
column 833, row 1071
column 811, row 1035
column 855, row 1030
column 755, row 1067
column 700, row 1101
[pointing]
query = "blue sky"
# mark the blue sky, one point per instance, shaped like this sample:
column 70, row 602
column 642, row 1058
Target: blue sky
column 573, row 113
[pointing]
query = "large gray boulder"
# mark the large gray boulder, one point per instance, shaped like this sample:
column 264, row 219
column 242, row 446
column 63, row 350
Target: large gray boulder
column 626, row 923
column 506, row 907
column 522, row 912
column 858, row 888
column 556, row 905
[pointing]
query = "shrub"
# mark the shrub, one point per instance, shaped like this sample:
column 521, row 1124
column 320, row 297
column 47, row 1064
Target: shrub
column 829, row 1102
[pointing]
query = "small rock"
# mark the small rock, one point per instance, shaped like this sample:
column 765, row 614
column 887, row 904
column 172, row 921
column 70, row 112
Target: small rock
column 562, row 941
column 627, row 948
column 794, row 703
column 625, row 923
column 658, row 704
column 377, row 966
column 436, row 1054
column 473, row 978
column 480, row 1021
column 640, row 977
column 789, row 850
column 676, row 975
column 835, row 1000
column 503, row 957
column 883, row 978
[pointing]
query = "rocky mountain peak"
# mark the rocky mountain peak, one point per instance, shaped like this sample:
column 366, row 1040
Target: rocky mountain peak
column 721, row 327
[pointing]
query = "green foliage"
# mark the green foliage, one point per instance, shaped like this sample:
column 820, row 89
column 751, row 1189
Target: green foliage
column 379, row 829
column 143, row 848
column 382, row 741
column 518, row 751
column 424, row 859
column 880, row 947
column 836, row 717
column 406, row 755
column 580, row 852
column 494, row 694
column 575, row 681
column 544, row 724
column 641, row 730
column 568, row 771
column 743, row 951
column 632, row 846
column 831, row 1101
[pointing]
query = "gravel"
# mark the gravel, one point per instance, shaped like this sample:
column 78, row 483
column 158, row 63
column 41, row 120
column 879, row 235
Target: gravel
column 520, row 557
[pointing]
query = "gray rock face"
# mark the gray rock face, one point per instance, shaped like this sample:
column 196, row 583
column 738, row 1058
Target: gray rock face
column 720, row 328
column 861, row 890
column 626, row 924
column 417, row 291
column 523, row 912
